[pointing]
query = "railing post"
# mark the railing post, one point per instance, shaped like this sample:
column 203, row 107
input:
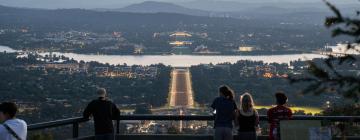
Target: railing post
column 75, row 130
column 118, row 126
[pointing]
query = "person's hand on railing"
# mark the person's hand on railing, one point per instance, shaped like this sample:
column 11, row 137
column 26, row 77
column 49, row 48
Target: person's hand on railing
column 258, row 130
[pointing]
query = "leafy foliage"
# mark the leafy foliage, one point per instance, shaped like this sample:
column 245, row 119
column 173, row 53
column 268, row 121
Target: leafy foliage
column 41, row 136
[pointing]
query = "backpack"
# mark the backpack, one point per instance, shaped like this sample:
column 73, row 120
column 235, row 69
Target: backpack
column 12, row 132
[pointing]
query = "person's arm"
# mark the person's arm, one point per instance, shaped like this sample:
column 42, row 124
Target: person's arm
column 257, row 123
column 88, row 111
column 257, row 120
column 115, row 111
column 213, row 105
column 236, row 114
column 235, row 106
column 269, row 115
column 290, row 114
column 3, row 132
column 235, row 109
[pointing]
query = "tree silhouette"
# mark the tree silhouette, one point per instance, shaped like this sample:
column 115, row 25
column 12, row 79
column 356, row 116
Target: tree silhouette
column 327, row 76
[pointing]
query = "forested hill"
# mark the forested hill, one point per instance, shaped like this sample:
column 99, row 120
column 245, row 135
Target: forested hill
column 160, row 7
column 78, row 19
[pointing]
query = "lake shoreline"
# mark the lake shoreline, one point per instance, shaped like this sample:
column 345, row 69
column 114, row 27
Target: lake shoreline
column 178, row 60
column 252, row 53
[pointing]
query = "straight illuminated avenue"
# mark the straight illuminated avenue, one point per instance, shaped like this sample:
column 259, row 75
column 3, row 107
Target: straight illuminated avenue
column 181, row 93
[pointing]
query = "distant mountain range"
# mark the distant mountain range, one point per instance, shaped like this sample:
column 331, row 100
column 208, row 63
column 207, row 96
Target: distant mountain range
column 160, row 7
column 153, row 13
column 207, row 5
column 144, row 14
column 64, row 19
column 246, row 5
column 251, row 10
column 243, row 11
column 215, row 8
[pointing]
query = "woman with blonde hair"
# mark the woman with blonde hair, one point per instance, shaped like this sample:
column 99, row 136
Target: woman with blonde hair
column 247, row 118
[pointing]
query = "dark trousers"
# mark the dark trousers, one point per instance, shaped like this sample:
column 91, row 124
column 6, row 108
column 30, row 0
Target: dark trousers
column 223, row 133
column 247, row 135
column 109, row 136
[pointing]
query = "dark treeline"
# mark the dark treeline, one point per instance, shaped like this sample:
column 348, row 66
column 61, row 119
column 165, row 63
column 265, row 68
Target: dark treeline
column 206, row 80
column 42, row 89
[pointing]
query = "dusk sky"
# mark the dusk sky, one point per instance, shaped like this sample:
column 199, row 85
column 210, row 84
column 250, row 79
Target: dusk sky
column 51, row 4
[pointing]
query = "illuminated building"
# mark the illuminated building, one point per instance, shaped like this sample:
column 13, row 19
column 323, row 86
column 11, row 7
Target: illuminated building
column 268, row 75
column 180, row 42
column 343, row 49
column 180, row 34
column 246, row 49
column 180, row 39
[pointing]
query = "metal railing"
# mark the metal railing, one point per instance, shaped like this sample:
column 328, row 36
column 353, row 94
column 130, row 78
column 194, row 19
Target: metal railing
column 76, row 121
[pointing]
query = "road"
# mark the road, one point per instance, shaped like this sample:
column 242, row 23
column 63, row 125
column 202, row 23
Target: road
column 181, row 94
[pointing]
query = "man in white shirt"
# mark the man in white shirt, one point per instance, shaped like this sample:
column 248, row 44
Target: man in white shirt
column 11, row 128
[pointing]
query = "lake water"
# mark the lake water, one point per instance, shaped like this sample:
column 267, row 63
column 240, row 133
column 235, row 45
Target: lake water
column 179, row 60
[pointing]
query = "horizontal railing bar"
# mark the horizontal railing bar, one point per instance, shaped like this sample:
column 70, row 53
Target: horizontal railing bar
column 208, row 118
column 327, row 118
column 167, row 117
column 57, row 123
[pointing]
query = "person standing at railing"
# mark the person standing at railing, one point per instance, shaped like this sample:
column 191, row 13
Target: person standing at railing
column 224, row 109
column 103, row 112
column 11, row 128
column 247, row 118
column 278, row 113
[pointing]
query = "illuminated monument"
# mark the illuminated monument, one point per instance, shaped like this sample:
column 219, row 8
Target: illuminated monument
column 180, row 42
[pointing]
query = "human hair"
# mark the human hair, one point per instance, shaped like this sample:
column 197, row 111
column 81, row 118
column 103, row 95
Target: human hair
column 227, row 92
column 246, row 102
column 9, row 108
column 281, row 98
column 101, row 92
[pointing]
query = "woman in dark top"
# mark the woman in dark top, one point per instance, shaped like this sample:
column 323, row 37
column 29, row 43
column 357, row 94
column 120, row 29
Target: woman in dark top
column 225, row 108
column 247, row 118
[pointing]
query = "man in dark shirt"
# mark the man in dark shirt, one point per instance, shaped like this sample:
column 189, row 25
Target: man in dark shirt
column 103, row 112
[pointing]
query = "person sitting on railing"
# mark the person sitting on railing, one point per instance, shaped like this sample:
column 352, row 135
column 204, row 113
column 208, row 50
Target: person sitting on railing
column 247, row 118
column 11, row 128
column 278, row 113
column 103, row 112
column 224, row 109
